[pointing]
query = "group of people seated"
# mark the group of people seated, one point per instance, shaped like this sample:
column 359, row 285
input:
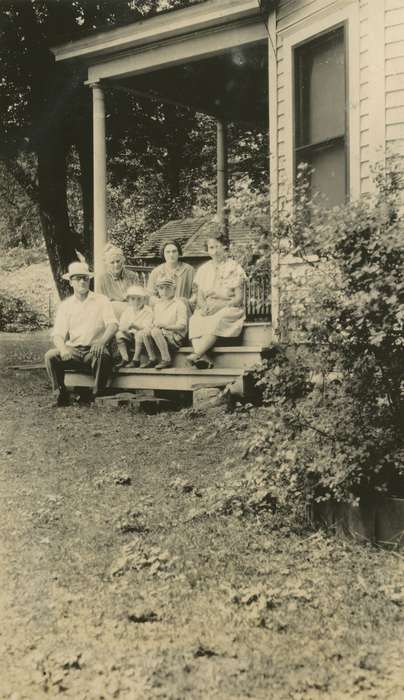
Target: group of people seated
column 142, row 322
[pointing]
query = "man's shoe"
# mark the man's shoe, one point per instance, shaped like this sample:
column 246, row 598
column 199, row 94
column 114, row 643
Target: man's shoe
column 164, row 364
column 62, row 398
column 121, row 363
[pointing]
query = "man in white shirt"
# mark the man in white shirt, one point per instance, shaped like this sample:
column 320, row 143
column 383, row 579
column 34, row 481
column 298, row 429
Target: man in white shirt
column 84, row 326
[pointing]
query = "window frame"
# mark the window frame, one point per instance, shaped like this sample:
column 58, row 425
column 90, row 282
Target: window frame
column 315, row 147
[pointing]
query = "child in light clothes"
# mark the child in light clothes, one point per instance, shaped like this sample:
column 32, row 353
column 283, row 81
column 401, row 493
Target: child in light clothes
column 133, row 320
column 169, row 326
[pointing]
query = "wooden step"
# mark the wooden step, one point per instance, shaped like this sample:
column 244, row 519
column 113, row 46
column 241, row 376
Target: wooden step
column 172, row 379
column 257, row 334
column 238, row 357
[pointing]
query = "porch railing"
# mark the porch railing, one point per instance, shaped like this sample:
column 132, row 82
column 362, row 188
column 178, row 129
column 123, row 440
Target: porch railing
column 257, row 299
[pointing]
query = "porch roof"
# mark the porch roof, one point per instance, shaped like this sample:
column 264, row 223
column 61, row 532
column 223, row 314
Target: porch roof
column 211, row 57
column 162, row 27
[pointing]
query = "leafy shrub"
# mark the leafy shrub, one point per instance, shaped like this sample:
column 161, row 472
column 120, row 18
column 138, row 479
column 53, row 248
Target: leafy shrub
column 16, row 315
column 335, row 402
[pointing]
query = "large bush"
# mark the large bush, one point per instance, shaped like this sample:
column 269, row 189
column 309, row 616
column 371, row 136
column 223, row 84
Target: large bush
column 335, row 401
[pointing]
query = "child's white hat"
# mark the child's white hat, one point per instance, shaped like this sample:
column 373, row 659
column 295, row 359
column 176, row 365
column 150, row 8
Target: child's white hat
column 136, row 290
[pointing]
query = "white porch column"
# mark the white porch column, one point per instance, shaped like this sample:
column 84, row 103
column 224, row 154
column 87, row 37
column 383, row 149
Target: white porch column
column 100, row 180
column 273, row 164
column 222, row 182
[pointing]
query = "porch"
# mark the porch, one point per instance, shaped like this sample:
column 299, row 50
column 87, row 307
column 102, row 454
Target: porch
column 212, row 58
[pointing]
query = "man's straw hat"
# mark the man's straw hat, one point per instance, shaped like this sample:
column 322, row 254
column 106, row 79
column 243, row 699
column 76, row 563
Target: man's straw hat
column 77, row 268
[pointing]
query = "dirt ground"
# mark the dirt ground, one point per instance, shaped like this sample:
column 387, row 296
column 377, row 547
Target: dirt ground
column 116, row 582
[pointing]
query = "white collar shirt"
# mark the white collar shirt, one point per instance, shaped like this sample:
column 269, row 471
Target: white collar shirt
column 170, row 312
column 83, row 322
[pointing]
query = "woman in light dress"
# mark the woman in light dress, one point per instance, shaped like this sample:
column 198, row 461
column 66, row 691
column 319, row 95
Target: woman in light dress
column 219, row 295
column 117, row 278
column 180, row 272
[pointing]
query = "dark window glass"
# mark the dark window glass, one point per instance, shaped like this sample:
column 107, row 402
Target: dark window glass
column 320, row 113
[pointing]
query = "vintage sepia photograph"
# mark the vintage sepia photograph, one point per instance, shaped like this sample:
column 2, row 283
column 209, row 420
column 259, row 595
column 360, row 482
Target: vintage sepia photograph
column 202, row 349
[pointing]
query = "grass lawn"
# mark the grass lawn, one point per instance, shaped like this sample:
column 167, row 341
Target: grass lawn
column 119, row 580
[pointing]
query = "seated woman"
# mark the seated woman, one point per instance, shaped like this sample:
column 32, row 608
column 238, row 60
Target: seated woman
column 180, row 272
column 116, row 280
column 219, row 291
column 134, row 319
column 168, row 329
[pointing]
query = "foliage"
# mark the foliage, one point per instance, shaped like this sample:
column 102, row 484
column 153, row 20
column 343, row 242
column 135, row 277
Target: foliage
column 160, row 157
column 15, row 258
column 176, row 175
column 249, row 206
column 335, row 402
column 46, row 113
column 19, row 216
column 16, row 315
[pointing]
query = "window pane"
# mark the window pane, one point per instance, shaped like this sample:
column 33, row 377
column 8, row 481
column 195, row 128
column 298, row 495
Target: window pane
column 329, row 177
column 320, row 93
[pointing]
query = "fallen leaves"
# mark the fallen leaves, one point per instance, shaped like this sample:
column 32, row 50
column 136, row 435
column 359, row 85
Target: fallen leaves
column 137, row 556
column 131, row 521
column 121, row 479
column 142, row 616
column 203, row 651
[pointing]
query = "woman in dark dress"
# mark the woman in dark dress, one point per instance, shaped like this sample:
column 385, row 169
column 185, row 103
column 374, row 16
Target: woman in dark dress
column 181, row 273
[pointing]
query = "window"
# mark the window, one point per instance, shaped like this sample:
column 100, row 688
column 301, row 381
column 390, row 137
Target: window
column 320, row 113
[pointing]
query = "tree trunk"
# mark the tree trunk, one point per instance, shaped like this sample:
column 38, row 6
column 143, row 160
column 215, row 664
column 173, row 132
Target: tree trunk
column 61, row 242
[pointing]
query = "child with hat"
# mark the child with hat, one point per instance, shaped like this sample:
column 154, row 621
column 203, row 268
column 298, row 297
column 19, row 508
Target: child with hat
column 169, row 326
column 134, row 319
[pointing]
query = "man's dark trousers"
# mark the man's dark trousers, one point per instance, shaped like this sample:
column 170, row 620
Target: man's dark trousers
column 99, row 367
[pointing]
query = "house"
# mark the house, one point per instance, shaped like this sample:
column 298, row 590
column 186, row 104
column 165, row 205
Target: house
column 333, row 85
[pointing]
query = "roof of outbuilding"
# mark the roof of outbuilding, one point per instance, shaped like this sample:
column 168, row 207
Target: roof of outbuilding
column 181, row 230
column 192, row 234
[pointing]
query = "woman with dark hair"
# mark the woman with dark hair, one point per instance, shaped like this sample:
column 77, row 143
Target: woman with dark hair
column 219, row 295
column 180, row 272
